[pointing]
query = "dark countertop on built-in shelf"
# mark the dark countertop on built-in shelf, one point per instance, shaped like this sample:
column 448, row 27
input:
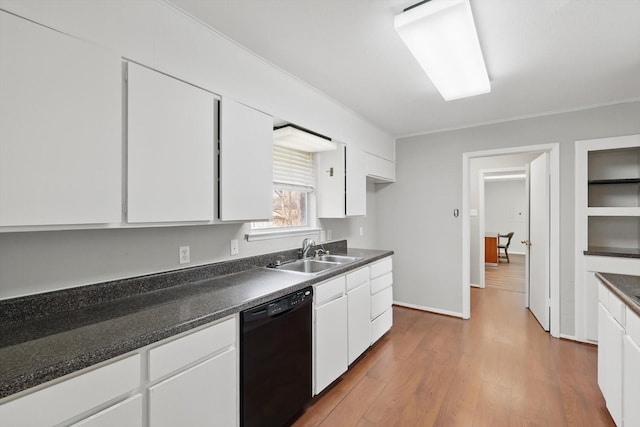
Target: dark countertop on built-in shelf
column 613, row 252
column 626, row 287
column 47, row 336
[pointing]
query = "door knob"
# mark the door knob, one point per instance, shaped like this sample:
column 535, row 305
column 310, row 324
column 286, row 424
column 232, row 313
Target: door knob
column 526, row 242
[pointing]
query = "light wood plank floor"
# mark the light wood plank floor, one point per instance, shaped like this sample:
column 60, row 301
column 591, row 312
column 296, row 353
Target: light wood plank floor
column 497, row 369
column 507, row 276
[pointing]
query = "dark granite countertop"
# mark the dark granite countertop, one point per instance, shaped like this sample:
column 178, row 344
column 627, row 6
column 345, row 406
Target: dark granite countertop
column 48, row 344
column 627, row 288
column 613, row 252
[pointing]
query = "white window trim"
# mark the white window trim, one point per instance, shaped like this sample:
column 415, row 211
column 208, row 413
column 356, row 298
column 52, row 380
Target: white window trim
column 274, row 233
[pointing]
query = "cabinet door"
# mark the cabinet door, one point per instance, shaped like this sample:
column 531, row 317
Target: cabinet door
column 359, row 321
column 170, row 146
column 610, row 344
column 631, row 384
column 342, row 182
column 330, row 183
column 60, row 128
column 123, row 414
column 356, row 182
column 205, row 395
column 330, row 342
column 246, row 163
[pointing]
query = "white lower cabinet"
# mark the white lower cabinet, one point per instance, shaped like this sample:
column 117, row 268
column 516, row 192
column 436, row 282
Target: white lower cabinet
column 358, row 310
column 359, row 323
column 631, row 383
column 204, row 395
column 192, row 381
column 329, row 333
column 68, row 399
column 123, row 414
column 381, row 298
column 611, row 335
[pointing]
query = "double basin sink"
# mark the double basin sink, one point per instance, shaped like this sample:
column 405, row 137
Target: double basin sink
column 316, row 265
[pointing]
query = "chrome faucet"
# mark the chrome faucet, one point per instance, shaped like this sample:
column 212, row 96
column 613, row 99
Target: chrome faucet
column 307, row 244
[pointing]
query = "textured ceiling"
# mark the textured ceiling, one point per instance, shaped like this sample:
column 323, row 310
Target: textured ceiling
column 543, row 56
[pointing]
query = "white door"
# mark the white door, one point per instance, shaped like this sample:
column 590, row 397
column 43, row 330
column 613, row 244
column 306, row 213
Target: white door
column 538, row 247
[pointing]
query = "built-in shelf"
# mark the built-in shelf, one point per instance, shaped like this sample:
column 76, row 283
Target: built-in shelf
column 613, row 252
column 614, row 181
column 607, row 221
column 613, row 212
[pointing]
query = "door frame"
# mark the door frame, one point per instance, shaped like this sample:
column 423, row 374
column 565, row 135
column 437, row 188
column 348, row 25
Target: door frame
column 554, row 226
column 481, row 211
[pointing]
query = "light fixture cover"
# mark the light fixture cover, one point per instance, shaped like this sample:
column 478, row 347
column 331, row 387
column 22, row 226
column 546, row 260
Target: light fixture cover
column 442, row 36
column 298, row 139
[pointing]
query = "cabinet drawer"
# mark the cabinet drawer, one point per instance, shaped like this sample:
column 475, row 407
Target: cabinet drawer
column 59, row 402
column 357, row 278
column 181, row 352
column 123, row 414
column 381, row 302
column 633, row 325
column 381, row 267
column 329, row 290
column 380, row 283
column 616, row 307
column 381, row 325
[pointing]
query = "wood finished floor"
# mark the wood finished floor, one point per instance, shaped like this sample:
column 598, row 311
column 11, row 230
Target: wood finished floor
column 507, row 276
column 497, row 369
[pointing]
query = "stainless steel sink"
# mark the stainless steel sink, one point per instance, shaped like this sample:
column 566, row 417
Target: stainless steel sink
column 340, row 259
column 314, row 265
column 308, row 266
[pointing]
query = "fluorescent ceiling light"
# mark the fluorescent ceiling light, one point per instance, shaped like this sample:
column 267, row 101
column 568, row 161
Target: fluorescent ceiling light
column 505, row 177
column 291, row 136
column 442, row 36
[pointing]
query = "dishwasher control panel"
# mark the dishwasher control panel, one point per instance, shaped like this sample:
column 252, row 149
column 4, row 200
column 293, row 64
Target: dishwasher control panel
column 288, row 302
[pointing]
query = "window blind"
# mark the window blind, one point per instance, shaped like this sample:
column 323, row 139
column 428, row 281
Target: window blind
column 293, row 168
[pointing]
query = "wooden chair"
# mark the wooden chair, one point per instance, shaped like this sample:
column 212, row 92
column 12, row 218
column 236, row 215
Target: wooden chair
column 505, row 246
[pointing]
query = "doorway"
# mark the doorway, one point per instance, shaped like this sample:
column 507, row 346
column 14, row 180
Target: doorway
column 503, row 208
column 551, row 269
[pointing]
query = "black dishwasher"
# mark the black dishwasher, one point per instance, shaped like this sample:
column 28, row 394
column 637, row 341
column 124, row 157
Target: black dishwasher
column 275, row 360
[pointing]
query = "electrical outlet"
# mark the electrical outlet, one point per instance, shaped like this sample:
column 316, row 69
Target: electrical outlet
column 184, row 254
column 234, row 247
column 362, row 231
column 328, row 234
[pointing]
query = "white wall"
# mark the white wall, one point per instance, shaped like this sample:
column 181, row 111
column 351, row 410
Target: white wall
column 506, row 210
column 415, row 214
column 41, row 261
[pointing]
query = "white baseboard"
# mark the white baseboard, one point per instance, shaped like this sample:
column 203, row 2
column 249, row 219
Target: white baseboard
column 429, row 309
column 576, row 339
column 474, row 285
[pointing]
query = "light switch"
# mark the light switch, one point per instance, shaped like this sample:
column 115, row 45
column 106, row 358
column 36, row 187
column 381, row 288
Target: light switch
column 234, row 247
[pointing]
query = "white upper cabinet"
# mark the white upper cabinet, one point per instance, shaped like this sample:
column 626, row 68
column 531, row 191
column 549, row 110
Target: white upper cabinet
column 381, row 170
column 342, row 185
column 246, row 159
column 170, row 149
column 60, row 128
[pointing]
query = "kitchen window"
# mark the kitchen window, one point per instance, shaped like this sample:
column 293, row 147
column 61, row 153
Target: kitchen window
column 293, row 190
